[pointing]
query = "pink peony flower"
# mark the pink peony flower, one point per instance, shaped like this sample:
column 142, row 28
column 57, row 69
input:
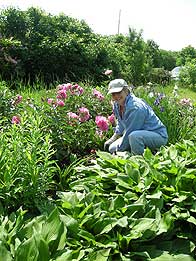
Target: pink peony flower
column 60, row 103
column 108, row 72
column 111, row 119
column 72, row 115
column 98, row 95
column 76, row 90
column 16, row 120
column 50, row 101
column 61, row 94
column 73, row 118
column 102, row 123
column 84, row 114
column 64, row 86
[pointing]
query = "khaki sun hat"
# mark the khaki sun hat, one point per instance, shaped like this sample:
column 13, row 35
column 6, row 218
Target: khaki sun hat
column 117, row 85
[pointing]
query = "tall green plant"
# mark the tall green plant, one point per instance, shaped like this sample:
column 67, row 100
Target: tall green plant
column 26, row 168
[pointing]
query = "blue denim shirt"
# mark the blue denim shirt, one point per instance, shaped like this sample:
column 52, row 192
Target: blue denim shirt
column 137, row 115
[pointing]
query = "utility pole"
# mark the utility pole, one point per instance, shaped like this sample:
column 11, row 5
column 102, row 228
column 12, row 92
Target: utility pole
column 119, row 15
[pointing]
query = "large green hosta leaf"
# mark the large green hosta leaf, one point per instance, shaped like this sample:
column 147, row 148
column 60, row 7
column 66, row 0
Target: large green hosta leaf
column 5, row 255
column 170, row 257
column 54, row 232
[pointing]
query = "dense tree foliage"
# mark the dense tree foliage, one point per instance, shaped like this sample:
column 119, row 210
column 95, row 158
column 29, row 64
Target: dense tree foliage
column 60, row 48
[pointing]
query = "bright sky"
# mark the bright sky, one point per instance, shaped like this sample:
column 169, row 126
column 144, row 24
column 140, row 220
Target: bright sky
column 170, row 23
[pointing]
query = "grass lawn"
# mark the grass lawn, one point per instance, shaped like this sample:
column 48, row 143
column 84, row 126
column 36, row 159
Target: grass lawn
column 182, row 92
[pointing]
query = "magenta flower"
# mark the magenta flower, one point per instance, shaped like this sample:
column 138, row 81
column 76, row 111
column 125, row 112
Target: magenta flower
column 61, row 94
column 18, row 99
column 84, row 114
column 64, row 86
column 16, row 120
column 73, row 118
column 102, row 123
column 76, row 89
column 72, row 115
column 98, row 95
column 60, row 103
column 50, row 101
column 111, row 119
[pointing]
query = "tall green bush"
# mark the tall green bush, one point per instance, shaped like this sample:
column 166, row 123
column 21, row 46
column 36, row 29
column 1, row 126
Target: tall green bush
column 187, row 77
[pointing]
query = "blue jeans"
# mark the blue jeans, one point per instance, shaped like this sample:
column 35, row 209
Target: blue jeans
column 139, row 140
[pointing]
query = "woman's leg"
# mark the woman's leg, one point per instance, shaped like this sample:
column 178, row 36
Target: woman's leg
column 141, row 139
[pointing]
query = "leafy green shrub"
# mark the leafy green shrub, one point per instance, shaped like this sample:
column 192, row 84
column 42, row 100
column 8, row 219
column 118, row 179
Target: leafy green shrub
column 74, row 116
column 70, row 113
column 187, row 77
column 160, row 76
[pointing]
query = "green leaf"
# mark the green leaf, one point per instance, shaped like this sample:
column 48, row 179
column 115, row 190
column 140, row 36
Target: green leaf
column 107, row 224
column 4, row 253
column 53, row 230
column 170, row 257
column 71, row 224
column 166, row 223
column 100, row 255
column 117, row 203
column 67, row 256
column 122, row 222
column 43, row 249
column 133, row 173
column 84, row 211
column 27, row 250
column 86, row 235
column 144, row 227
column 172, row 152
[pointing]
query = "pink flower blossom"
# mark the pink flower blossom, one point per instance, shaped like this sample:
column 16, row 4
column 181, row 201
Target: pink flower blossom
column 102, row 123
column 73, row 118
column 16, row 120
column 50, row 101
column 111, row 119
column 108, row 72
column 18, row 98
column 99, row 133
column 60, row 103
column 185, row 102
column 98, row 95
column 76, row 89
column 72, row 115
column 61, row 94
column 64, row 86
column 84, row 114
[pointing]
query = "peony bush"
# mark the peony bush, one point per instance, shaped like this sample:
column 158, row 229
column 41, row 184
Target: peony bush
column 78, row 119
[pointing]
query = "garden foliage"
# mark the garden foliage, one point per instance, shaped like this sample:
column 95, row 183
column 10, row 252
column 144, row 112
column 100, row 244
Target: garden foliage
column 63, row 198
column 116, row 208
column 58, row 47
